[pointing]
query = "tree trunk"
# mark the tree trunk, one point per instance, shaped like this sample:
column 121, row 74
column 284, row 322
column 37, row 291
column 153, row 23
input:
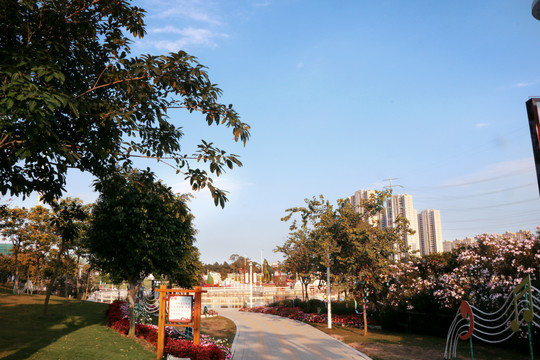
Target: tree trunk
column 85, row 296
column 77, row 275
column 365, row 319
column 16, row 282
column 132, row 292
column 66, row 282
column 53, row 278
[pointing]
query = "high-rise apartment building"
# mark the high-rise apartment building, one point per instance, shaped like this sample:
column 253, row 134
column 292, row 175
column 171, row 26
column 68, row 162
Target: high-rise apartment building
column 356, row 201
column 397, row 205
column 430, row 231
column 402, row 205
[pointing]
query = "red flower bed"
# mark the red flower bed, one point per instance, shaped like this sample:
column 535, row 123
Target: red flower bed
column 178, row 348
column 186, row 349
column 298, row 314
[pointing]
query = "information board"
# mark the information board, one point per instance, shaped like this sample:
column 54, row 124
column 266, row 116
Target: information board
column 180, row 308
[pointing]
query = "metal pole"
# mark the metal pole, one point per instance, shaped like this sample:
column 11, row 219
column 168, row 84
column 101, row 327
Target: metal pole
column 328, row 296
column 250, row 284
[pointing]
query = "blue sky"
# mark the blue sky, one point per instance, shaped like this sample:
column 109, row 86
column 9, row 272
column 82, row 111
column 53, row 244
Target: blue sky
column 342, row 95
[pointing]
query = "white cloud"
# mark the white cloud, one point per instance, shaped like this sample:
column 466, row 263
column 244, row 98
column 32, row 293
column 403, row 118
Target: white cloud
column 526, row 83
column 190, row 10
column 493, row 172
column 481, row 125
column 188, row 37
column 262, row 4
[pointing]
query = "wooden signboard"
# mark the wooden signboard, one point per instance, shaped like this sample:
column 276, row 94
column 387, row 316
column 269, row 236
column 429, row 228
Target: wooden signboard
column 177, row 307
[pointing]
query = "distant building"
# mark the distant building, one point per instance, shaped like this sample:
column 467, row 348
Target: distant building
column 402, row 205
column 520, row 235
column 5, row 249
column 356, row 201
column 397, row 205
column 430, row 232
column 453, row 244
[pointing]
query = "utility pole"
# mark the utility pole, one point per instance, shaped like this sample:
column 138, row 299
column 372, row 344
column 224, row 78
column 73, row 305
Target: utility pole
column 392, row 186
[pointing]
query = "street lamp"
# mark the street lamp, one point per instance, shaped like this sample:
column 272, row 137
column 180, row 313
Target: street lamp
column 328, row 298
column 250, row 284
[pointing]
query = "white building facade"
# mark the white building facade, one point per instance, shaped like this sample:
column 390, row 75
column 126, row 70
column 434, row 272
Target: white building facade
column 402, row 205
column 430, row 231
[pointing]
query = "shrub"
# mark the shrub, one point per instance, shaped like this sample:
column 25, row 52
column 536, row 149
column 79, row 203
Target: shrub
column 207, row 350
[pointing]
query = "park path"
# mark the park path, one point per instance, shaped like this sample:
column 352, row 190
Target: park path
column 271, row 337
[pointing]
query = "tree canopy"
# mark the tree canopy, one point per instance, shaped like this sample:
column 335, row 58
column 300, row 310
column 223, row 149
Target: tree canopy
column 71, row 96
column 356, row 249
column 140, row 227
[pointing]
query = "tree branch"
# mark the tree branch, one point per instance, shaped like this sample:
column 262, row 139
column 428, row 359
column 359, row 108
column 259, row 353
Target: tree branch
column 81, row 9
column 110, row 84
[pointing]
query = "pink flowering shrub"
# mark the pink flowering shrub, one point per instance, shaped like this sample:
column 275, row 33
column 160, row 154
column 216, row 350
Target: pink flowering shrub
column 483, row 274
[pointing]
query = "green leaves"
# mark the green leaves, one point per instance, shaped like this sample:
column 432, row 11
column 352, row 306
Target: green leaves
column 71, row 97
column 139, row 227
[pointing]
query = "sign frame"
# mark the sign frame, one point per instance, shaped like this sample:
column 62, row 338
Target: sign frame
column 182, row 300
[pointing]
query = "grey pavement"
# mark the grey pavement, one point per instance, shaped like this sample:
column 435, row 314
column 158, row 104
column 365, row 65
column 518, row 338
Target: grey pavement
column 270, row 337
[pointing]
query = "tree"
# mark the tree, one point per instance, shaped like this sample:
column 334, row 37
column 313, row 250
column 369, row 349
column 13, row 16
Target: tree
column 12, row 227
column 302, row 249
column 356, row 249
column 69, row 216
column 188, row 273
column 139, row 227
column 40, row 239
column 72, row 97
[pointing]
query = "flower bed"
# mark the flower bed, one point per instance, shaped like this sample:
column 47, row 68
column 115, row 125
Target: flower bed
column 175, row 344
column 298, row 314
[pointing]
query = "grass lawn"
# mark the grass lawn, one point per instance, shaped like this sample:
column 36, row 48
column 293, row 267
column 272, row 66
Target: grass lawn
column 218, row 327
column 73, row 329
column 382, row 345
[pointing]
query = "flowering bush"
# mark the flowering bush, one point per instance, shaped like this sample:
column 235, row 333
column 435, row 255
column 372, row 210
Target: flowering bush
column 208, row 349
column 483, row 274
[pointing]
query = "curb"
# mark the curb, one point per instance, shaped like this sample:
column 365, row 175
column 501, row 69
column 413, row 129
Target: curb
column 233, row 346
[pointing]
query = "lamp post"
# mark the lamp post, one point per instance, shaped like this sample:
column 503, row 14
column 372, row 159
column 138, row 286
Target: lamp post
column 328, row 293
column 250, row 284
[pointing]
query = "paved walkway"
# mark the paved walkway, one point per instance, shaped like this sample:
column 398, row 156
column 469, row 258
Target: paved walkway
column 270, row 337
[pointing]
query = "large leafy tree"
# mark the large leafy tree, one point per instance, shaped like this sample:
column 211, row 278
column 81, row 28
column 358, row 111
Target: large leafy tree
column 139, row 227
column 71, row 96
column 356, row 249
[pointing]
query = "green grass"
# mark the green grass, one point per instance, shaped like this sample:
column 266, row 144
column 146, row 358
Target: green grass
column 72, row 329
column 384, row 345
